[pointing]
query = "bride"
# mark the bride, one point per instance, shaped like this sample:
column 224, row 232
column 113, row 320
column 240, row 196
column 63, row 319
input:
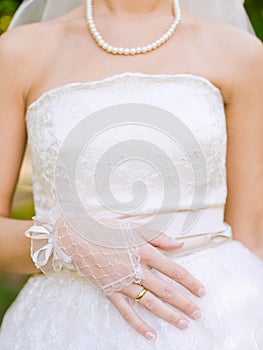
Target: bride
column 144, row 121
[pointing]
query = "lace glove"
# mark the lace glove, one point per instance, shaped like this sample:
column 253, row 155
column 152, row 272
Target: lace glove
column 55, row 246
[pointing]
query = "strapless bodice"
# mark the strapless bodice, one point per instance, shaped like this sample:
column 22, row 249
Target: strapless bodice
column 197, row 106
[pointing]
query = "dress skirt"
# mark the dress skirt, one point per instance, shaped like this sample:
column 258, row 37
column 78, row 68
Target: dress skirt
column 76, row 316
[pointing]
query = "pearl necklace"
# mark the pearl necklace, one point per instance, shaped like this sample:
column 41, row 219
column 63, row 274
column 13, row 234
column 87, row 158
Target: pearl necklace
column 130, row 50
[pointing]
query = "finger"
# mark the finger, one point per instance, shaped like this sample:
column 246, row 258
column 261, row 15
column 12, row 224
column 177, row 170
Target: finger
column 168, row 267
column 121, row 303
column 156, row 238
column 157, row 307
column 165, row 242
column 171, row 295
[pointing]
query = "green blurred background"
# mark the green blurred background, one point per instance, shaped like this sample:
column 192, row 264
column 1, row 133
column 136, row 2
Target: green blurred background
column 23, row 202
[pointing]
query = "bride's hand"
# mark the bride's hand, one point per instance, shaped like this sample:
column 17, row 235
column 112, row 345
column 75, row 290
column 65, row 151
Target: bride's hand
column 159, row 291
column 112, row 270
column 101, row 265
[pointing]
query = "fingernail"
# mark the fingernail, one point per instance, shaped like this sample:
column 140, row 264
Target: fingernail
column 178, row 241
column 183, row 324
column 196, row 314
column 150, row 336
column 201, row 292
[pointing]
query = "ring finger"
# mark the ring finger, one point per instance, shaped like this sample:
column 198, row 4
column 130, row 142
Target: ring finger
column 171, row 295
column 156, row 306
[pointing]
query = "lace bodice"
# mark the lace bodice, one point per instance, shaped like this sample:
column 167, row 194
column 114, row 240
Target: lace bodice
column 194, row 100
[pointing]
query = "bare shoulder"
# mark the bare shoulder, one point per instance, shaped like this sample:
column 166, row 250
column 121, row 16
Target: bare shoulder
column 227, row 41
column 236, row 56
column 239, row 46
column 29, row 41
column 26, row 49
column 243, row 62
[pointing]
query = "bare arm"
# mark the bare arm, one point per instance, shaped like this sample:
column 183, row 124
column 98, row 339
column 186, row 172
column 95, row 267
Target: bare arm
column 14, row 246
column 244, row 207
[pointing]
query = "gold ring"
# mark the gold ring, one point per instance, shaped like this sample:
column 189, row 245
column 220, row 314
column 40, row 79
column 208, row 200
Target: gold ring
column 141, row 294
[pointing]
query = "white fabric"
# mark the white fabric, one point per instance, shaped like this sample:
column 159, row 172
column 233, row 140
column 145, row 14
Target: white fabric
column 41, row 255
column 222, row 11
column 191, row 99
column 75, row 315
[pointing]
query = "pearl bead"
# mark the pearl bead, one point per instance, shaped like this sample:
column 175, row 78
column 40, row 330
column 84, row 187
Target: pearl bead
column 132, row 50
column 120, row 50
column 149, row 47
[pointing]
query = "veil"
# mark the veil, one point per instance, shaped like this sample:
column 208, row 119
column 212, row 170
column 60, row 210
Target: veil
column 221, row 11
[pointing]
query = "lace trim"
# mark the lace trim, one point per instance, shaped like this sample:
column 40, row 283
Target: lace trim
column 119, row 76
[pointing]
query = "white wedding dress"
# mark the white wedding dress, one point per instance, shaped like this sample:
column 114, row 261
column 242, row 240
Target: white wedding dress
column 76, row 316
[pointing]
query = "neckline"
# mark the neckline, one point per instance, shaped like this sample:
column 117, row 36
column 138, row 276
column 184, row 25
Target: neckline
column 119, row 76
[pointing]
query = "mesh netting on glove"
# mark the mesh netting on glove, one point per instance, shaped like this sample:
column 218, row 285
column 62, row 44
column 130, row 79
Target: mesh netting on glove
column 56, row 247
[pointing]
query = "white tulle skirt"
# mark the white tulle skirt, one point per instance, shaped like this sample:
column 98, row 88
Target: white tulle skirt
column 75, row 316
